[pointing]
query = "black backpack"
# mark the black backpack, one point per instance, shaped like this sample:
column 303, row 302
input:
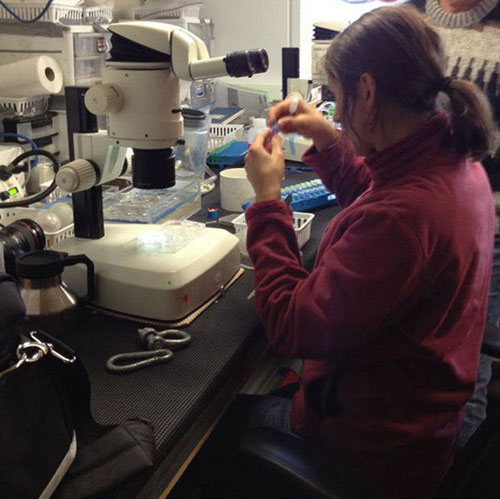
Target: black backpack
column 49, row 443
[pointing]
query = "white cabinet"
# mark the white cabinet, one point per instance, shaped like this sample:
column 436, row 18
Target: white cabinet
column 78, row 49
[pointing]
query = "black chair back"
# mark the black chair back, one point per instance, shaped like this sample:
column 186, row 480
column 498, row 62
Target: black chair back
column 476, row 470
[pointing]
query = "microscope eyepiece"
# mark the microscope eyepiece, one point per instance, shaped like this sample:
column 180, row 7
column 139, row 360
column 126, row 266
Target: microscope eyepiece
column 261, row 60
column 240, row 64
column 246, row 62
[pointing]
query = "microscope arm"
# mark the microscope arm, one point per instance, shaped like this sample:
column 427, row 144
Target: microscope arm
column 100, row 161
column 188, row 53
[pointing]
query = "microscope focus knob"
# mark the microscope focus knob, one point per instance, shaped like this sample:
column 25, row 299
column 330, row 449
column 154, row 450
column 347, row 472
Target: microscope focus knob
column 103, row 99
column 78, row 175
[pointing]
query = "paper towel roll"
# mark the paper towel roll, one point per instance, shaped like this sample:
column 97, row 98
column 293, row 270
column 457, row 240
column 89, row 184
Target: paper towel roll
column 29, row 77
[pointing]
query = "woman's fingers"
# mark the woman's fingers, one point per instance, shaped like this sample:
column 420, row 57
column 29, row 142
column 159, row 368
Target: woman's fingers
column 261, row 138
column 276, row 146
column 277, row 112
column 303, row 124
column 289, row 124
column 283, row 109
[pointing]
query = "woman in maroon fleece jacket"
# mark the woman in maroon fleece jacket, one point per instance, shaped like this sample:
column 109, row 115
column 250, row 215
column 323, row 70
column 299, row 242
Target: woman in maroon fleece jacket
column 390, row 320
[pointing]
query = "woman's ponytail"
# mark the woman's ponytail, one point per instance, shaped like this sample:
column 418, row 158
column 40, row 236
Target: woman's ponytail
column 471, row 119
column 405, row 57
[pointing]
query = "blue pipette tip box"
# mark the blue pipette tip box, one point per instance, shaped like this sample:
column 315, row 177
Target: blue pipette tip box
column 308, row 195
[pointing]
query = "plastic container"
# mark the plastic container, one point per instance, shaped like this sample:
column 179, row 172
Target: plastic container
column 149, row 206
column 201, row 95
column 302, row 223
column 258, row 125
column 64, row 211
column 230, row 154
column 48, row 221
column 41, row 174
column 308, row 195
column 163, row 10
column 89, row 67
column 235, row 189
column 97, row 14
column 56, row 12
column 59, row 236
column 193, row 153
column 88, row 44
column 38, row 132
column 171, row 238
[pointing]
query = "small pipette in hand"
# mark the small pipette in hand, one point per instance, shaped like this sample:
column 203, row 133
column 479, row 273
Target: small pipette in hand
column 292, row 109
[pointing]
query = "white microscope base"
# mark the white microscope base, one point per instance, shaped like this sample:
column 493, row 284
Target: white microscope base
column 160, row 286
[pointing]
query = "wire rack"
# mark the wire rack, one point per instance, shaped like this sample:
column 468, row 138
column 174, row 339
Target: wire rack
column 59, row 13
column 63, row 14
column 165, row 11
column 221, row 134
column 25, row 106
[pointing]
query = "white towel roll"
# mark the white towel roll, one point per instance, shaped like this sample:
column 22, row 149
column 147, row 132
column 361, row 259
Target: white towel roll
column 29, row 77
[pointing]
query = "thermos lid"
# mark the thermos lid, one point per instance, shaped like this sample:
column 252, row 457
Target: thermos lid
column 40, row 264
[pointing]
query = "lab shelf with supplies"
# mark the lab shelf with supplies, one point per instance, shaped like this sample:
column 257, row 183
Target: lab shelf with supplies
column 186, row 396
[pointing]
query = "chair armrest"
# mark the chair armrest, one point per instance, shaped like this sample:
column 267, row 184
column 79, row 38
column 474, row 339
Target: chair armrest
column 491, row 341
column 303, row 467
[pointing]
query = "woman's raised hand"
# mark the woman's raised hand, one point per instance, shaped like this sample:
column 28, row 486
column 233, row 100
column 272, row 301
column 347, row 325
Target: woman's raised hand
column 306, row 121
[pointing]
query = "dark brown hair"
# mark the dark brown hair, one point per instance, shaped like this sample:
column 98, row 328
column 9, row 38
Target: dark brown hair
column 404, row 55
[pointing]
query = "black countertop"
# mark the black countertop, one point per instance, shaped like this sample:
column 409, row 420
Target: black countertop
column 174, row 395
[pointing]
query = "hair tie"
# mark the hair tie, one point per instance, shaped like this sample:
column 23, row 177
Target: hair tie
column 443, row 84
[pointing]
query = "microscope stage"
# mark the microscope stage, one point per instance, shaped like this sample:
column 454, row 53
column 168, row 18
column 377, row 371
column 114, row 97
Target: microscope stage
column 159, row 286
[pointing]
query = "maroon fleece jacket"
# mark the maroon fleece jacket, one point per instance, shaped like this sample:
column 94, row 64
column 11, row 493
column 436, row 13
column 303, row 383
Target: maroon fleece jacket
column 395, row 304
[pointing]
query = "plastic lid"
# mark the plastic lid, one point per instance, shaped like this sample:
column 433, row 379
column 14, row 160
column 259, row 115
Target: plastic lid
column 40, row 264
column 193, row 117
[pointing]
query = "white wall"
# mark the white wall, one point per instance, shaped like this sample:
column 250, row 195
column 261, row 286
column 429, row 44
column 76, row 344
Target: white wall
column 245, row 24
column 122, row 9
column 272, row 24
column 312, row 11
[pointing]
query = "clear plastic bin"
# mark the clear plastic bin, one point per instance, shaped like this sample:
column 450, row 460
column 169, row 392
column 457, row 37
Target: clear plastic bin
column 36, row 133
column 149, row 206
column 193, row 152
column 171, row 238
column 89, row 44
column 89, row 67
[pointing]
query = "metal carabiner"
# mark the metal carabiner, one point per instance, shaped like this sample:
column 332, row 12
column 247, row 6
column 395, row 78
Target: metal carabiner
column 41, row 350
column 171, row 338
column 23, row 357
column 118, row 363
column 52, row 350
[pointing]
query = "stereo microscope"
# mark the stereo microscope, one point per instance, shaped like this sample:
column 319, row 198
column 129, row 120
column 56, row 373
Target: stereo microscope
column 140, row 97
